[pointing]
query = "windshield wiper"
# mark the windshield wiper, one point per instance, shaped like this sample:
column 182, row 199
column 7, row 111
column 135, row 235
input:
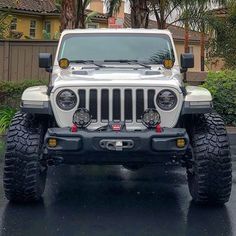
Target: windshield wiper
column 130, row 62
column 88, row 62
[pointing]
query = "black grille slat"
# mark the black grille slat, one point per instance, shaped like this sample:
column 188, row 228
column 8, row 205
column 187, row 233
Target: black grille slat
column 139, row 104
column 116, row 105
column 151, row 97
column 105, row 105
column 93, row 104
column 82, row 98
column 114, row 100
column 128, row 105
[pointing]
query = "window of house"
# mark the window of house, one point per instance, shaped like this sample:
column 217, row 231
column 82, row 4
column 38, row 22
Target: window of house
column 32, row 28
column 14, row 24
column 47, row 26
column 92, row 25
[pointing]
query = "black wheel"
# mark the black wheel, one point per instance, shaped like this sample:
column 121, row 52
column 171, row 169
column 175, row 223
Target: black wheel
column 210, row 173
column 24, row 175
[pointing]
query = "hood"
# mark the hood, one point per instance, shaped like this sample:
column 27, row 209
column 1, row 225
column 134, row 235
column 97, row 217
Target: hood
column 122, row 76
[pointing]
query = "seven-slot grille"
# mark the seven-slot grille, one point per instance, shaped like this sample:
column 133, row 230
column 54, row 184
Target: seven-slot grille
column 116, row 104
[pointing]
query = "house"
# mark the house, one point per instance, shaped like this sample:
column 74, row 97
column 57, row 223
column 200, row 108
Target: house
column 40, row 19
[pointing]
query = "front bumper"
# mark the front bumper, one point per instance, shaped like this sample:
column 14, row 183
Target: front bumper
column 108, row 147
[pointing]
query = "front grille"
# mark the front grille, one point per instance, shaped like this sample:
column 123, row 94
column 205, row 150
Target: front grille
column 118, row 104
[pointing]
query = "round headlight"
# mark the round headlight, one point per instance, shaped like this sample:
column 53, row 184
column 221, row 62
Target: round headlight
column 82, row 118
column 151, row 118
column 166, row 100
column 66, row 100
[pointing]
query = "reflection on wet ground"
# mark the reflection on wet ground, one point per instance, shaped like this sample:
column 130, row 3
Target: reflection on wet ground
column 111, row 200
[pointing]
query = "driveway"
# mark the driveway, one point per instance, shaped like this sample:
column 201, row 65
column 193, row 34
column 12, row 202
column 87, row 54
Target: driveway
column 112, row 201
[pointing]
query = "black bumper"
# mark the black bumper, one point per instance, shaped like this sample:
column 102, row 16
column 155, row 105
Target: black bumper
column 87, row 147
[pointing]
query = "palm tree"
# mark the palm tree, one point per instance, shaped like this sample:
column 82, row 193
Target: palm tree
column 162, row 10
column 139, row 11
column 5, row 22
column 68, row 14
column 200, row 18
column 82, row 16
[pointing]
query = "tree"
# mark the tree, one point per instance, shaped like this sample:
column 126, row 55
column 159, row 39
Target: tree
column 163, row 9
column 68, row 14
column 74, row 14
column 5, row 22
column 199, row 18
column 84, row 17
column 139, row 11
column 223, row 45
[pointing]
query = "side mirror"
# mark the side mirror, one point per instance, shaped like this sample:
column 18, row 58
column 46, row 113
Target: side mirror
column 45, row 61
column 187, row 61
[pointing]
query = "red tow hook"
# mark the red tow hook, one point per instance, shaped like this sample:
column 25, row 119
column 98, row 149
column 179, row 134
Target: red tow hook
column 158, row 129
column 74, row 128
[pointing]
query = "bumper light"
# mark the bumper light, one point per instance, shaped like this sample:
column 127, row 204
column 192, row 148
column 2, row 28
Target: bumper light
column 151, row 118
column 82, row 118
column 180, row 143
column 52, row 142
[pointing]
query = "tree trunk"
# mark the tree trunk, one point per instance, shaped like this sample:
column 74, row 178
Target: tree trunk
column 68, row 14
column 139, row 14
column 81, row 17
column 162, row 15
column 186, row 36
column 203, row 49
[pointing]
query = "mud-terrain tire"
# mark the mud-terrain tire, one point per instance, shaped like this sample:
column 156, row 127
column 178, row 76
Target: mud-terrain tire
column 210, row 174
column 24, row 175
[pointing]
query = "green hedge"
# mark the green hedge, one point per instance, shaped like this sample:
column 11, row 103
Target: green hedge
column 222, row 85
column 10, row 92
column 10, row 97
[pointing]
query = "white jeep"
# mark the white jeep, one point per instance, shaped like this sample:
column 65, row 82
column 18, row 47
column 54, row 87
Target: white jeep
column 117, row 97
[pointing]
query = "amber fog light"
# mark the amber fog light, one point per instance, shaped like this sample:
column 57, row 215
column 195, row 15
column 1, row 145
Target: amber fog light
column 180, row 143
column 52, row 142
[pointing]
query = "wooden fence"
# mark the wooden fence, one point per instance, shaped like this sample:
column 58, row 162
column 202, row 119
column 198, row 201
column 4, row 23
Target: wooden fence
column 19, row 61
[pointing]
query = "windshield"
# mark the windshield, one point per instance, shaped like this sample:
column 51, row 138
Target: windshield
column 147, row 48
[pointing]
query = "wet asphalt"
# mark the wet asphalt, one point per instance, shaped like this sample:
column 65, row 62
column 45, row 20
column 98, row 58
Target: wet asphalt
column 110, row 201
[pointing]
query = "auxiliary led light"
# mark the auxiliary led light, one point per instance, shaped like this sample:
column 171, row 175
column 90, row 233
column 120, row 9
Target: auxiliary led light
column 82, row 118
column 151, row 118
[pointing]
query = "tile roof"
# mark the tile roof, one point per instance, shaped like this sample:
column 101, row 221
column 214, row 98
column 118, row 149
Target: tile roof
column 40, row 6
column 178, row 32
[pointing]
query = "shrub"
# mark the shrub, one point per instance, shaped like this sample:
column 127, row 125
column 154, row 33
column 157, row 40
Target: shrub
column 222, row 86
column 6, row 115
column 10, row 96
column 10, row 92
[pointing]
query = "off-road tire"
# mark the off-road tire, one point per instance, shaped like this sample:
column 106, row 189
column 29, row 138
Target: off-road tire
column 210, row 174
column 24, row 175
